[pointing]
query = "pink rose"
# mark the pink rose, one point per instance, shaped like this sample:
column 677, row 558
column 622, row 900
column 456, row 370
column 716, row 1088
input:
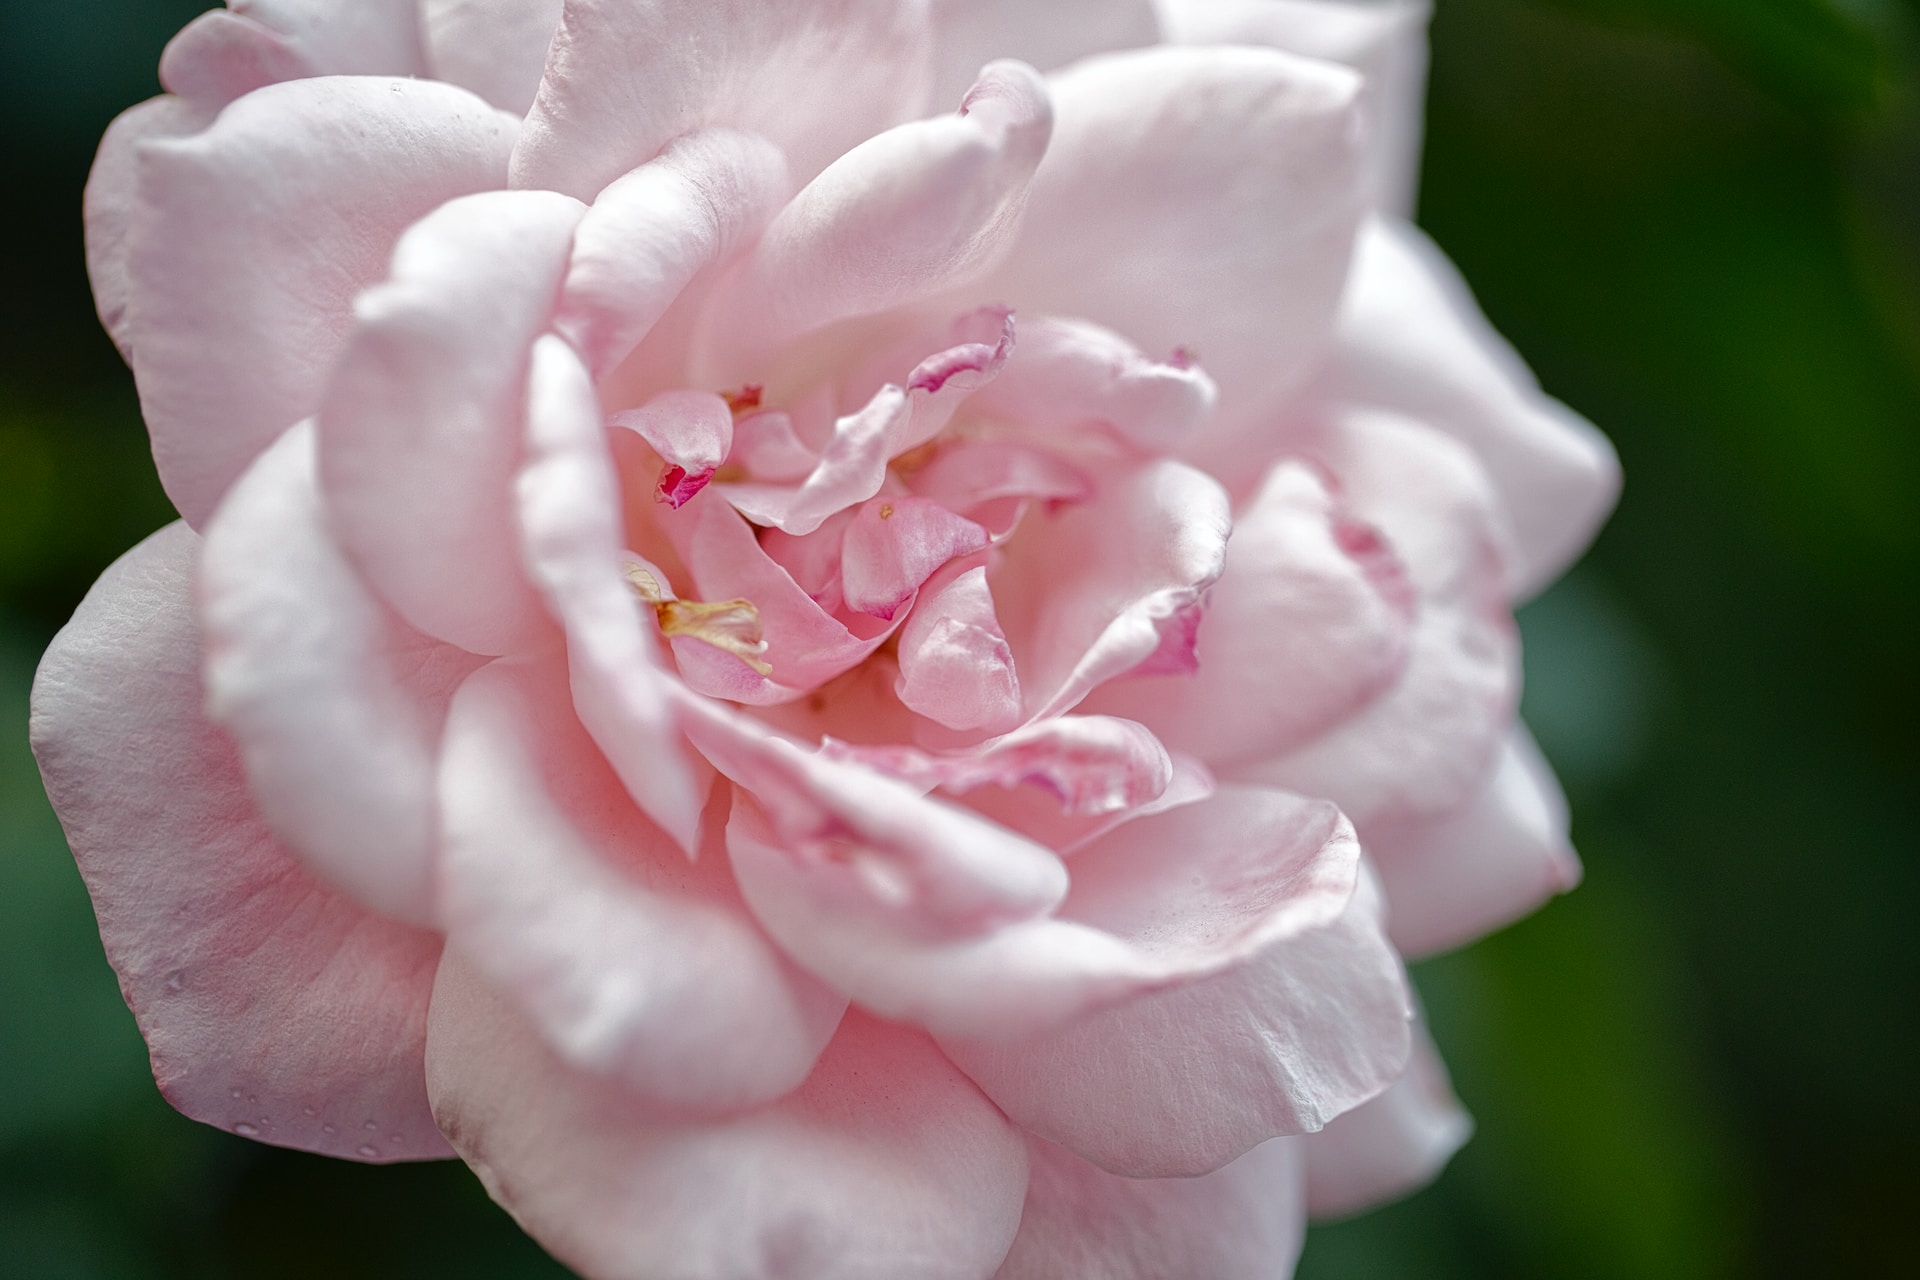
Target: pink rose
column 790, row 671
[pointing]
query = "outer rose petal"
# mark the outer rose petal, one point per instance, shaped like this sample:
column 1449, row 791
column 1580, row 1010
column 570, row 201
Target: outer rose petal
column 359, row 37
column 634, row 964
column 1389, row 1146
column 1413, row 341
column 1453, row 878
column 624, row 77
column 251, row 240
column 1305, row 1024
column 1241, row 1222
column 335, row 703
column 967, row 34
column 1151, row 219
column 497, row 48
column 420, row 430
column 220, row 55
column 272, row 1006
column 885, row 1165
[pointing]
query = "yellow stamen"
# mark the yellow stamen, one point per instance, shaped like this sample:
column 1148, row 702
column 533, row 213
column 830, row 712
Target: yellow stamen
column 731, row 626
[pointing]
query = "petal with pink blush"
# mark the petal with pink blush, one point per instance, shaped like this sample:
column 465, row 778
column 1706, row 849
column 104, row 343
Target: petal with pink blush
column 569, row 503
column 273, row 1006
column 955, row 666
column 851, row 469
column 1308, row 623
column 965, row 475
column 364, row 38
column 1393, row 1145
column 497, row 48
column 941, row 382
column 885, row 1165
column 1245, row 1221
column 421, row 425
column 1300, row 1015
column 624, row 79
column 635, row 965
column 969, row 33
column 691, row 430
column 220, row 56
column 651, row 231
column 1452, row 878
column 1151, row 220
column 1413, row 341
column 892, row 545
column 250, row 240
column 335, row 703
column 1072, row 374
column 769, row 449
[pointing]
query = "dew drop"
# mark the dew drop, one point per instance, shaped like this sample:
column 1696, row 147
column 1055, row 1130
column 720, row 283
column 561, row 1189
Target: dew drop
column 307, row 1111
column 235, row 1093
column 176, row 980
column 371, row 1125
column 246, row 1130
column 327, row 1128
column 397, row 1139
column 368, row 1151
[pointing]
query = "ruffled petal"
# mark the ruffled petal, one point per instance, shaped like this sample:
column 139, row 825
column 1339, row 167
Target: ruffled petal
column 1413, row 341
column 420, row 428
column 1305, row 1018
column 273, row 1007
column 635, row 964
column 968, row 34
column 336, row 704
column 624, row 79
column 692, row 431
column 497, row 48
column 1245, row 1221
column 851, row 469
column 893, row 545
column 250, row 240
column 1390, row 1146
column 885, row 1165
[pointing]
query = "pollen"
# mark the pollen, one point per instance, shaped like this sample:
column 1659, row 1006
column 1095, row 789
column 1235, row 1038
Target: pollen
column 745, row 400
column 886, row 511
column 731, row 626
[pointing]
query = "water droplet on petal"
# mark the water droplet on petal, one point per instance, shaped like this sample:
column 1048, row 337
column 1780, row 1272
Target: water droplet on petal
column 307, row 1111
column 327, row 1128
column 234, row 1092
column 246, row 1130
column 371, row 1125
column 176, row 980
column 368, row 1151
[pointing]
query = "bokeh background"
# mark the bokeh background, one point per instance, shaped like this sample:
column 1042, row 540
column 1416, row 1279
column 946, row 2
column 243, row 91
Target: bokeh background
column 1700, row 221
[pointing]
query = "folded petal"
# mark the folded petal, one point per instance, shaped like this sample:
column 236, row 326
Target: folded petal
column 1413, row 341
column 1304, row 1017
column 497, row 48
column 362, row 38
column 1150, row 219
column 955, row 666
column 634, row 964
column 851, row 469
column 1245, row 1221
column 220, row 55
column 1388, row 1147
column 624, row 78
column 250, row 240
column 421, row 424
column 691, row 430
column 273, row 1006
column 893, row 545
column 1308, row 623
column 336, row 704
column 885, row 1165
column 968, row 34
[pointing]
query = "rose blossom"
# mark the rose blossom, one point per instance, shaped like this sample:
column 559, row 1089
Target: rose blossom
column 790, row 671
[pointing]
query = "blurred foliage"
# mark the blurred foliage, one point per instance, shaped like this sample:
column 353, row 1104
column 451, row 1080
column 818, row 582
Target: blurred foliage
column 1700, row 221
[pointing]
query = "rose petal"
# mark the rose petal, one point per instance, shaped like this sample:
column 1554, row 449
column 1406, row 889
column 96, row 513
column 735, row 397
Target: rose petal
column 1245, row 1221
column 691, row 430
column 1413, row 341
column 251, row 239
column 335, row 703
column 623, row 79
column 273, row 1006
column 893, row 545
column 364, row 38
column 420, row 429
column 497, row 48
column 851, row 469
column 634, row 964
column 885, row 1164
column 965, row 475
column 1304, row 1016
column 220, row 56
column 1385, row 1148
column 955, row 666
column 967, row 34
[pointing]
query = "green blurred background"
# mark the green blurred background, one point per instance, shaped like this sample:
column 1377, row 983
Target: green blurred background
column 1700, row 221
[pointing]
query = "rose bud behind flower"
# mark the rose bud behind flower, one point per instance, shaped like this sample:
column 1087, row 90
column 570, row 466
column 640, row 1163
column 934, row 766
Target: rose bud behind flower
column 834, row 640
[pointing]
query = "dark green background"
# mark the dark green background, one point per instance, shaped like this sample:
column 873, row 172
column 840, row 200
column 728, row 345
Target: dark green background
column 1700, row 220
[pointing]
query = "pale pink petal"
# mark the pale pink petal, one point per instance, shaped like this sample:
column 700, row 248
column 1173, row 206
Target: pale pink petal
column 336, row 704
column 944, row 380
column 851, row 469
column 966, row 475
column 691, row 430
column 1413, row 341
column 1452, row 878
column 251, row 239
column 893, row 545
column 955, row 666
column 421, row 424
column 356, row 37
column 1149, row 218
column 635, row 964
column 497, row 48
column 921, row 209
column 624, row 79
column 1245, row 1221
column 273, row 1007
column 111, row 204
column 968, row 34
column 1423, row 747
column 1093, row 591
column 1305, row 1016
column 569, row 504
column 766, row 445
column 1384, row 40
column 1385, row 1148
column 1072, row 374
column 650, row 232
column 220, row 55
column 885, row 1165
column 1308, row 623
